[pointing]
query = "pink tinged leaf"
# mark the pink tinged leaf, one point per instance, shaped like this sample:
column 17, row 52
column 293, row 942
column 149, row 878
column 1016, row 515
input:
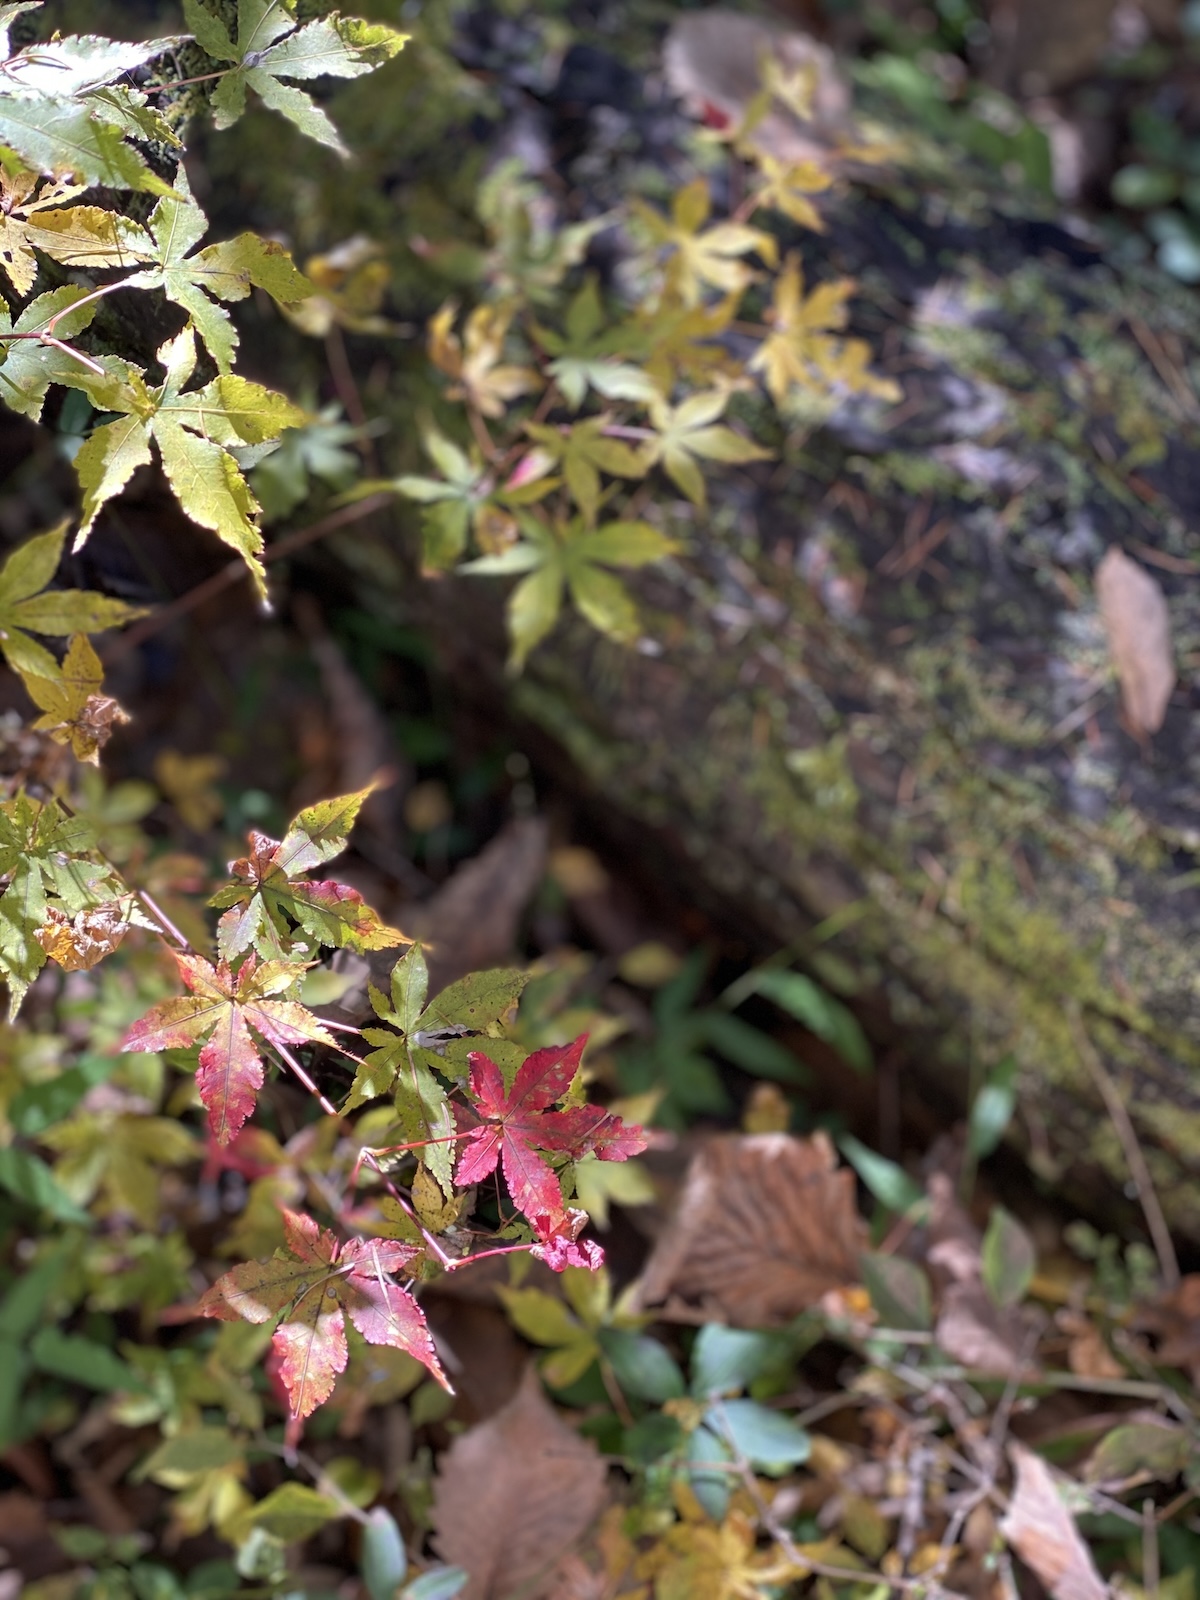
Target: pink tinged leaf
column 582, row 1128
column 229, row 1076
column 311, row 1346
column 478, row 1157
column 487, row 1086
column 203, row 979
column 307, row 1240
column 170, row 1025
column 286, row 1022
column 559, row 1245
column 384, row 1313
column 546, row 1075
column 256, row 1291
column 386, row 1255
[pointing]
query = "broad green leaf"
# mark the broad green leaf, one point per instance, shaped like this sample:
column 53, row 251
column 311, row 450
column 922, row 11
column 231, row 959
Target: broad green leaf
column 29, row 1178
column 685, row 434
column 993, row 1107
column 291, row 1512
column 532, row 611
column 752, row 1049
column 410, row 987
column 726, row 1360
column 828, row 1018
column 80, row 1360
column 66, row 68
column 382, row 1558
column 706, row 1466
column 1159, row 1450
column 49, row 134
column 1009, row 1258
column 542, row 1317
column 767, row 1439
column 270, row 48
column 643, row 1367
column 208, row 32
column 181, row 1457
column 606, row 603
column 886, row 1180
column 899, row 1292
column 425, row 1113
column 474, row 1002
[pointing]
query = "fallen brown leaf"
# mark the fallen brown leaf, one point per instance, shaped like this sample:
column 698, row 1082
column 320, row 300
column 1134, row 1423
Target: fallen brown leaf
column 513, row 1495
column 973, row 1329
column 765, row 1226
column 471, row 923
column 714, row 62
column 1042, row 1531
column 1087, row 1353
column 1175, row 1320
column 1138, row 624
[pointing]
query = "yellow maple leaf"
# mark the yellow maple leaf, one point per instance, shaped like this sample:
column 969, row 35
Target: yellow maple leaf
column 803, row 349
column 481, row 377
column 698, row 256
column 74, row 711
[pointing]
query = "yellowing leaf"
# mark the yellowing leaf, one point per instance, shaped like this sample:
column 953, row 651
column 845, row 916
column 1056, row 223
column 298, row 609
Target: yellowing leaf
column 803, row 350
column 194, row 431
column 699, row 257
column 26, row 609
column 686, row 434
column 480, row 376
column 74, row 710
column 221, row 272
column 786, row 186
column 189, row 783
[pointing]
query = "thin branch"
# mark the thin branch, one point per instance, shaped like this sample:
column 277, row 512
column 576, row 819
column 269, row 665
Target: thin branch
column 1156, row 1222
column 237, row 571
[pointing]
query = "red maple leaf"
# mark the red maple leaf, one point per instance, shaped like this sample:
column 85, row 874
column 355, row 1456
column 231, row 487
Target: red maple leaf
column 233, row 1009
column 314, row 1281
column 512, row 1126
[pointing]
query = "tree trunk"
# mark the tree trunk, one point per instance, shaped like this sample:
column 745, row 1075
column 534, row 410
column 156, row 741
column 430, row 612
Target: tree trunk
column 874, row 717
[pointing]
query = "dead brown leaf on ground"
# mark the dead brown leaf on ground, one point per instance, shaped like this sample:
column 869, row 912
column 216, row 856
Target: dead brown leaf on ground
column 766, row 1225
column 1043, row 1534
column 973, row 1329
column 1138, row 624
column 1175, row 1322
column 512, row 1497
column 715, row 61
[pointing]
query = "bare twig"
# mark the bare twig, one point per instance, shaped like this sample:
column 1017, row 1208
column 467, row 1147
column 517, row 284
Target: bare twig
column 1156, row 1222
column 236, row 571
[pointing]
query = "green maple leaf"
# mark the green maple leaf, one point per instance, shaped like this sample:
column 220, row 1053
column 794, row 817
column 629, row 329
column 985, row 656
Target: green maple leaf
column 570, row 557
column 685, row 435
column 194, row 430
column 30, row 367
column 43, row 852
column 270, row 47
column 272, row 894
column 220, row 272
column 25, row 609
column 57, row 111
column 584, row 451
column 586, row 355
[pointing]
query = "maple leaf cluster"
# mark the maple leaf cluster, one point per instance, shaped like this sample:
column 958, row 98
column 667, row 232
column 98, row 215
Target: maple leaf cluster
column 514, row 1127
column 311, row 1285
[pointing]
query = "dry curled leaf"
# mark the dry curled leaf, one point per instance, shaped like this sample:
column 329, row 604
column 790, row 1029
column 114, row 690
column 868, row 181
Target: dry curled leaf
column 1138, row 624
column 513, row 1495
column 766, row 1225
column 81, row 941
column 1043, row 1533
